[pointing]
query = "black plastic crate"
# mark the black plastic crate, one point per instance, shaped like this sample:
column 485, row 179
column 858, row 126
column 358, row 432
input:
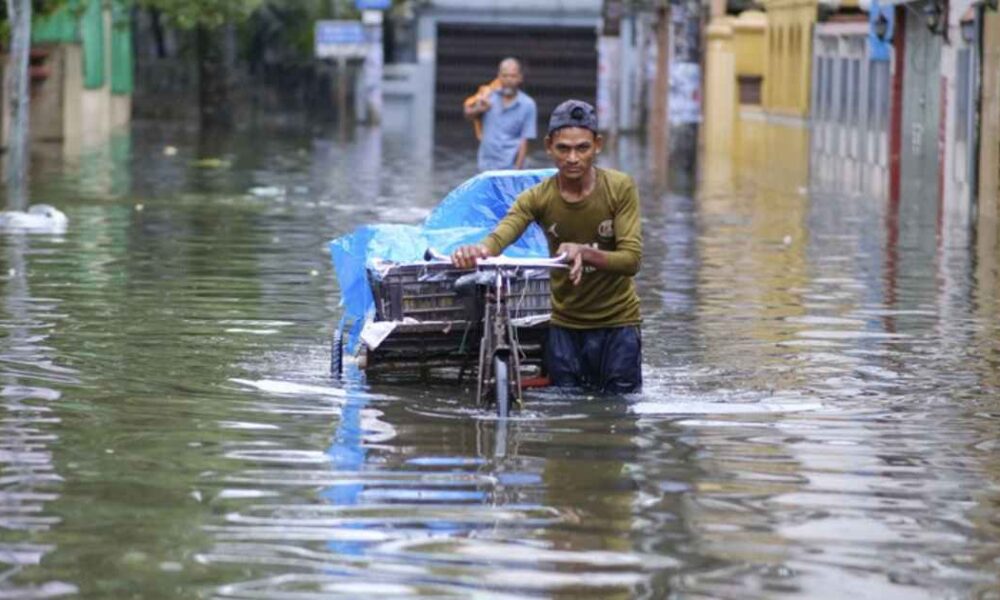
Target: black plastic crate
column 426, row 292
column 529, row 295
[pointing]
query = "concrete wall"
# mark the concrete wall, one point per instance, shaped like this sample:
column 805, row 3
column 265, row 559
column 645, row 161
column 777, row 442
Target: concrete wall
column 404, row 110
column 63, row 109
column 622, row 73
column 960, row 79
column 921, row 152
column 55, row 101
column 47, row 96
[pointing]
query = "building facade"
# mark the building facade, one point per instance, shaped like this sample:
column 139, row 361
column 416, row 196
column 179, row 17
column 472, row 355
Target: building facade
column 82, row 77
column 901, row 96
column 850, row 110
column 601, row 51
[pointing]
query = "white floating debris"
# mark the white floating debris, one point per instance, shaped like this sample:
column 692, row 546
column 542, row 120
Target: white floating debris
column 40, row 218
column 267, row 191
column 721, row 408
column 169, row 151
column 139, row 207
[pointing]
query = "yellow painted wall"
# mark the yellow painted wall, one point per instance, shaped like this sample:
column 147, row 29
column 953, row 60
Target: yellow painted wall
column 750, row 43
column 789, row 56
column 988, row 226
column 720, row 87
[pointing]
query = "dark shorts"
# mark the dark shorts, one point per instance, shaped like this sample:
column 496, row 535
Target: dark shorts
column 608, row 359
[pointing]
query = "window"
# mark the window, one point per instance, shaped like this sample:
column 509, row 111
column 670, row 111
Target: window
column 874, row 89
column 820, row 92
column 855, row 92
column 844, row 99
column 831, row 111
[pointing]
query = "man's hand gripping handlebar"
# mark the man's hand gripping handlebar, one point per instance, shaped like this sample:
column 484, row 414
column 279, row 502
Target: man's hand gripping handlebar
column 477, row 255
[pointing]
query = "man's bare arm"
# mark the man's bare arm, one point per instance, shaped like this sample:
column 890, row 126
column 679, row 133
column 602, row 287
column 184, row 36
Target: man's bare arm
column 474, row 110
column 522, row 152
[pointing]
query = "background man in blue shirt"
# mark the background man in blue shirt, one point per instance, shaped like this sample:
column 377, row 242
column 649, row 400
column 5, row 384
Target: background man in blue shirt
column 509, row 120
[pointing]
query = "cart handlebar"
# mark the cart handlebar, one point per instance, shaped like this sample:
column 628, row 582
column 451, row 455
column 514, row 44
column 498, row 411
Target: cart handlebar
column 555, row 262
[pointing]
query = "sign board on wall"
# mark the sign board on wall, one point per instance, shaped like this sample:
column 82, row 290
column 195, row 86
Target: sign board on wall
column 340, row 39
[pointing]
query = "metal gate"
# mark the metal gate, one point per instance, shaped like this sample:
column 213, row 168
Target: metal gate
column 850, row 107
column 559, row 63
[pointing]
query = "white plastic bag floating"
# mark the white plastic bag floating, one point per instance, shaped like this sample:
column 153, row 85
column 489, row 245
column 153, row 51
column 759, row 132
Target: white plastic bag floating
column 39, row 218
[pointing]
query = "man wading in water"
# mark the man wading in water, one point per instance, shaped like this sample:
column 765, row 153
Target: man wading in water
column 592, row 215
column 508, row 119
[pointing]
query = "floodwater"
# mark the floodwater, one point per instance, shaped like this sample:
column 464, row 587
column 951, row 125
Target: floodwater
column 820, row 417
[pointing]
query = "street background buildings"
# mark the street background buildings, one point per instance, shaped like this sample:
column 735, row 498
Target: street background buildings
column 897, row 100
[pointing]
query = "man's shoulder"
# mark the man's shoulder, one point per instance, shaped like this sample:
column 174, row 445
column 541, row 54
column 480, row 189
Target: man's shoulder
column 617, row 180
column 526, row 99
column 540, row 191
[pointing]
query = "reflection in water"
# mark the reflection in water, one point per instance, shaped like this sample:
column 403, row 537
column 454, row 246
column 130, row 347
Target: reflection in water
column 470, row 505
column 819, row 418
column 28, row 479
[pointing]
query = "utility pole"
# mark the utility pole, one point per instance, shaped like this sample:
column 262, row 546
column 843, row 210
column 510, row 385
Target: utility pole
column 19, row 14
column 609, row 70
column 658, row 133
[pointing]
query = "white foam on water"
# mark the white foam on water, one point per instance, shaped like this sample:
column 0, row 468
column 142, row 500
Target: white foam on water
column 24, row 392
column 721, row 408
column 290, row 388
column 252, row 331
column 850, row 335
column 275, row 386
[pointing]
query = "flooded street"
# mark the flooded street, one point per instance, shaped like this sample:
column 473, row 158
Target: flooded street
column 820, row 416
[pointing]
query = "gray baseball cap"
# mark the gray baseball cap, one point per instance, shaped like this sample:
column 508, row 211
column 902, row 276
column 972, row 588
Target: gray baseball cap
column 573, row 113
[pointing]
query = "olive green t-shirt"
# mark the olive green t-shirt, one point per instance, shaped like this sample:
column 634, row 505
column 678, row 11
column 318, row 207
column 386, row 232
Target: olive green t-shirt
column 607, row 219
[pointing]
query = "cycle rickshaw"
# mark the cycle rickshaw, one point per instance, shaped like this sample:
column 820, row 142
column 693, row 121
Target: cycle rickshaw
column 431, row 316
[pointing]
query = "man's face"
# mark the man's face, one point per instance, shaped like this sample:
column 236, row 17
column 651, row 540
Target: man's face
column 573, row 149
column 510, row 78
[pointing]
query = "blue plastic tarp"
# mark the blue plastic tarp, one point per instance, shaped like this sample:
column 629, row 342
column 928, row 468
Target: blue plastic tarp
column 465, row 216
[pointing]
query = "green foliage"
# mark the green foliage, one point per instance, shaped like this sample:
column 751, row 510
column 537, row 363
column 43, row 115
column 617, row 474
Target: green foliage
column 188, row 14
column 39, row 8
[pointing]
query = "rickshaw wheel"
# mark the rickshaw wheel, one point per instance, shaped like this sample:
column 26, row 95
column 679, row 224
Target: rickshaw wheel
column 501, row 382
